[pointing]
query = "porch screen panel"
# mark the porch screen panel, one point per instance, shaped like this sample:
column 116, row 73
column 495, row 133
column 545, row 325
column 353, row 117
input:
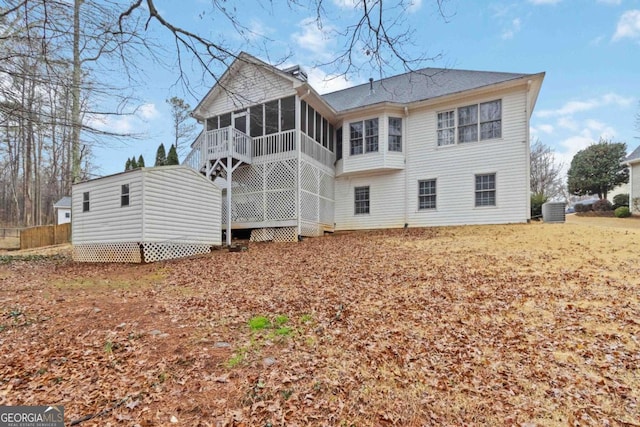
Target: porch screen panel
column 257, row 120
column 287, row 113
column 271, row 117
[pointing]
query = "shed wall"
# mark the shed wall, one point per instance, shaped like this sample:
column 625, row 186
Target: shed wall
column 107, row 221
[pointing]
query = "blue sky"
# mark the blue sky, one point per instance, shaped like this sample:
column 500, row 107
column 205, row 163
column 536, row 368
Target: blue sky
column 589, row 49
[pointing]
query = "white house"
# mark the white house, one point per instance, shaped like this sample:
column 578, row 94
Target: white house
column 62, row 209
column 146, row 214
column 633, row 161
column 425, row 148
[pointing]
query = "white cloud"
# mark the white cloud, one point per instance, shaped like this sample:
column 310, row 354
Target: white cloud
column 346, row 4
column 568, row 123
column 573, row 107
column 314, row 39
column 628, row 26
column 414, row 6
column 325, row 83
column 512, row 30
column 147, row 111
column 539, row 2
column 546, row 128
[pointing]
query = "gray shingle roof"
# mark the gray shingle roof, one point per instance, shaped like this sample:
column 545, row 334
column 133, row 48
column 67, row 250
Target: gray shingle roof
column 415, row 86
column 65, row 202
column 635, row 155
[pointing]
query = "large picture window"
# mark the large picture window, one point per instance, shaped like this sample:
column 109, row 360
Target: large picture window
column 361, row 200
column 427, row 194
column 470, row 123
column 486, row 190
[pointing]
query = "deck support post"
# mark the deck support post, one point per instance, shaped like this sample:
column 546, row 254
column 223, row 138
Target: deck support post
column 229, row 173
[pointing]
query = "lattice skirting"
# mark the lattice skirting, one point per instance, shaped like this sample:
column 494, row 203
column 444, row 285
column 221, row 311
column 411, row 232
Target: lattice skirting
column 133, row 252
column 275, row 234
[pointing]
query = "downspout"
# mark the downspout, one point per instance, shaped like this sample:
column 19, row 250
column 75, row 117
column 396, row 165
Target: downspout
column 528, row 153
column 405, row 131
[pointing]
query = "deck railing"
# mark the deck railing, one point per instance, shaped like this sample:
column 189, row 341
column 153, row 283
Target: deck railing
column 311, row 148
column 220, row 143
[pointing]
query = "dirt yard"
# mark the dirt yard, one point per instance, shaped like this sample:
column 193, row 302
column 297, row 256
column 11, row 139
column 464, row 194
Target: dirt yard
column 512, row 325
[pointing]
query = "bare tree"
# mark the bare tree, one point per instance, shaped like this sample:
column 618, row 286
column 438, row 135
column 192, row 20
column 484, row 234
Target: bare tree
column 183, row 125
column 546, row 175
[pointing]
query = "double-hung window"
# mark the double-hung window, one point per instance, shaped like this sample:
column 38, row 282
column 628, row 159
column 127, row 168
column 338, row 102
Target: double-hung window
column 124, row 195
column 361, row 200
column 85, row 201
column 486, row 190
column 427, row 194
column 471, row 123
column 363, row 137
column 395, row 134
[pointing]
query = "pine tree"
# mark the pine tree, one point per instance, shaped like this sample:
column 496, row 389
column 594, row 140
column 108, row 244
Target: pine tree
column 140, row 161
column 134, row 164
column 127, row 166
column 161, row 156
column 172, row 158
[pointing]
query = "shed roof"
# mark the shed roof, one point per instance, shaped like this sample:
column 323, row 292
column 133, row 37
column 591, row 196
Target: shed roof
column 414, row 86
column 64, row 202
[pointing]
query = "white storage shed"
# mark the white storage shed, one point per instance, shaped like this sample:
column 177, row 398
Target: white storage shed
column 145, row 215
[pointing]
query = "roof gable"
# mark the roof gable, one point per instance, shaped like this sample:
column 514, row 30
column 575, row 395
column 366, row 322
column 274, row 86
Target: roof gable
column 634, row 157
column 225, row 84
column 416, row 86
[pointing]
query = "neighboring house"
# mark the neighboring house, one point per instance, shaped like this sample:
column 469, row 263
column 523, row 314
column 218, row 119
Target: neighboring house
column 62, row 209
column 426, row 148
column 146, row 214
column 633, row 161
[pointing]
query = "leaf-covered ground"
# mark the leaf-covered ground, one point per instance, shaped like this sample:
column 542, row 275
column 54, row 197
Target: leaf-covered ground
column 514, row 325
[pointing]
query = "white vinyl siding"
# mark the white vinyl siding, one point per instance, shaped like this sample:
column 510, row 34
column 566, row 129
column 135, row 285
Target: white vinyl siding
column 166, row 204
column 457, row 165
column 475, row 122
column 252, row 85
column 635, row 185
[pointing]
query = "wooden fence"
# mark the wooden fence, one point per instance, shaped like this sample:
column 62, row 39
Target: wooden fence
column 47, row 235
column 9, row 232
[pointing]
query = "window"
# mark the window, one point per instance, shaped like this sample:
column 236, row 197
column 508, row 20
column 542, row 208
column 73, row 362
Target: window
column 331, row 131
column 339, row 144
column 475, row 122
column 256, row 118
column 395, row 134
column 124, row 195
column 303, row 116
column 446, row 128
column 85, row 201
column 212, row 123
column 225, row 120
column 67, row 214
column 271, row 117
column 287, row 113
column 356, row 138
column 318, row 135
column 468, row 124
column 325, row 133
column 491, row 120
column 361, row 205
column 367, row 129
column 427, row 194
column 486, row 190
column 371, row 135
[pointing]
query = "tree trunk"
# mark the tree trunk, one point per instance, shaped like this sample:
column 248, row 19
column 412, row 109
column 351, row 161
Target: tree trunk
column 75, row 95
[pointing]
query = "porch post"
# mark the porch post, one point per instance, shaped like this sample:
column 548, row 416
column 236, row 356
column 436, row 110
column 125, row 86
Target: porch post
column 229, row 173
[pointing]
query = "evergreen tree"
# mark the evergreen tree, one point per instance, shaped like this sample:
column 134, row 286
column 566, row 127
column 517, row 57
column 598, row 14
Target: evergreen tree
column 134, row 164
column 161, row 156
column 172, row 158
column 140, row 161
column 127, row 166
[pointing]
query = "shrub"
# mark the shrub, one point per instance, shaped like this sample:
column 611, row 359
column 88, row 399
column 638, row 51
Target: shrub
column 582, row 207
column 620, row 200
column 622, row 212
column 602, row 205
column 537, row 200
